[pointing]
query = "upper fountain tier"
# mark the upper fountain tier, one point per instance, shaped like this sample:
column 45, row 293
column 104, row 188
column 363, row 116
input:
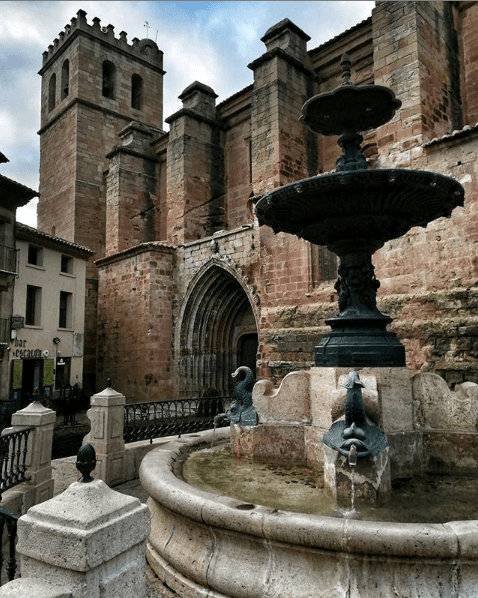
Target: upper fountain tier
column 349, row 108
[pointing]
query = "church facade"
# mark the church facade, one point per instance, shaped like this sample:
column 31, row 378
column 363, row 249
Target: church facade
column 184, row 285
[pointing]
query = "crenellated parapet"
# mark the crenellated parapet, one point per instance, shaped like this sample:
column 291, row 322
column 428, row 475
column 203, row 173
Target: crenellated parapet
column 145, row 49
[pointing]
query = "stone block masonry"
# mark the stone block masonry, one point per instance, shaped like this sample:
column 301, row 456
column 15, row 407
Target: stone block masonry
column 136, row 343
column 90, row 541
column 170, row 215
column 81, row 118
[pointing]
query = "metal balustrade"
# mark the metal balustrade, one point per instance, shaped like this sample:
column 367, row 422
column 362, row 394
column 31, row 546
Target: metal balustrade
column 4, row 331
column 13, row 454
column 145, row 421
column 8, row 527
column 8, row 260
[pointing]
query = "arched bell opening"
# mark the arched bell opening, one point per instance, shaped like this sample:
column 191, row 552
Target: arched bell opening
column 218, row 334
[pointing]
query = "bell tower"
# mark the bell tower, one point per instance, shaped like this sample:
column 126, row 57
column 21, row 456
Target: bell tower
column 93, row 85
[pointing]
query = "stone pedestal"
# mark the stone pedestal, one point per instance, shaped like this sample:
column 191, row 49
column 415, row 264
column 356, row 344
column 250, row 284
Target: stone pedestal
column 283, row 415
column 388, row 402
column 294, row 417
column 38, row 460
column 371, row 478
column 106, row 436
column 89, row 540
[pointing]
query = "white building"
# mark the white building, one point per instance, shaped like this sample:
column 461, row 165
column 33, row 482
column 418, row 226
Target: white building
column 46, row 347
column 12, row 196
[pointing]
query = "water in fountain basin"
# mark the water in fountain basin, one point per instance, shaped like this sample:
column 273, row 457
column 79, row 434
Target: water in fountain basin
column 296, row 487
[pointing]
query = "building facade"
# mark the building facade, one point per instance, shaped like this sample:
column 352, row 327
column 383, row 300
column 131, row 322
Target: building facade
column 48, row 315
column 13, row 195
column 185, row 285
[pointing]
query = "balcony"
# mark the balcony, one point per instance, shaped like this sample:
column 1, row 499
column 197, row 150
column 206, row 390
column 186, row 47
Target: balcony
column 8, row 266
column 8, row 260
column 4, row 332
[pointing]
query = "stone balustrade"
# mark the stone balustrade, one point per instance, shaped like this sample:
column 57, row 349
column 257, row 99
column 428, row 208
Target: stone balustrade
column 38, row 460
column 88, row 541
column 106, row 415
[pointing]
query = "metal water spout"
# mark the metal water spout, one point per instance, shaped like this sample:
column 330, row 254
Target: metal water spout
column 361, row 445
column 355, row 431
column 219, row 419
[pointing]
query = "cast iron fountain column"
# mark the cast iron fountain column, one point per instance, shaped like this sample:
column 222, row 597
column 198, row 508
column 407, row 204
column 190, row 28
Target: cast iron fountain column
column 354, row 211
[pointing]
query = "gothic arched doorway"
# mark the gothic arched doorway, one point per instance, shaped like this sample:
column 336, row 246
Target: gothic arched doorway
column 218, row 334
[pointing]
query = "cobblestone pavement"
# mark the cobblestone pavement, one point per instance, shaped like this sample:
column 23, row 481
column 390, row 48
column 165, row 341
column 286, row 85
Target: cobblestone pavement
column 65, row 473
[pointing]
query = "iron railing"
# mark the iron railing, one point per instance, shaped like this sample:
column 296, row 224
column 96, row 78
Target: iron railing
column 145, row 421
column 8, row 260
column 68, row 404
column 4, row 331
column 8, row 525
column 13, row 455
column 7, row 409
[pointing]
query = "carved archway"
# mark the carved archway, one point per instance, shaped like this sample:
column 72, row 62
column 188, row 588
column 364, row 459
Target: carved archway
column 216, row 319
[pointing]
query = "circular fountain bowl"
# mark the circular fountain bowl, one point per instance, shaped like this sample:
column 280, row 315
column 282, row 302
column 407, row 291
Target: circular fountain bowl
column 205, row 544
column 373, row 205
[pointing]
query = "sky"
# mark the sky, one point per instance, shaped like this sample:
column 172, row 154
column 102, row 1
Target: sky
column 210, row 42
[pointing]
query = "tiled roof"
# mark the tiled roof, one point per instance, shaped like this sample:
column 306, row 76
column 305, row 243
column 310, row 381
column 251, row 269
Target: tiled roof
column 457, row 134
column 28, row 233
column 340, row 36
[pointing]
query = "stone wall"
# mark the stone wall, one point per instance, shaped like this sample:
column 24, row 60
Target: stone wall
column 466, row 16
column 134, row 345
column 216, row 304
column 238, row 162
column 81, row 126
column 132, row 210
column 195, row 190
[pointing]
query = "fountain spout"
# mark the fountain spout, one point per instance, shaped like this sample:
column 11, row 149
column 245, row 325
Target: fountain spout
column 219, row 419
column 362, row 445
column 355, row 430
column 352, row 456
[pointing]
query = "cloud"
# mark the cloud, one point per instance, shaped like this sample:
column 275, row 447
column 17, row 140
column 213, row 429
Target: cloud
column 211, row 42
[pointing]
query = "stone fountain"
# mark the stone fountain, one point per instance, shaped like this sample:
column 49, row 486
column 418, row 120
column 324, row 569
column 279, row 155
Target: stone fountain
column 206, row 544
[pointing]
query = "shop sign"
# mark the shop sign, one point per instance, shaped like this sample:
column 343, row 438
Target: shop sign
column 27, row 354
column 23, row 353
column 17, row 322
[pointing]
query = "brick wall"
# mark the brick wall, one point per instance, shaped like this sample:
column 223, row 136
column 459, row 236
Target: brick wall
column 195, row 175
column 237, row 148
column 467, row 18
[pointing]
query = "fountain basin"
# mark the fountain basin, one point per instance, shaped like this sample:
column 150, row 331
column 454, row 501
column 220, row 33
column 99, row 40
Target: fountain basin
column 205, row 544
